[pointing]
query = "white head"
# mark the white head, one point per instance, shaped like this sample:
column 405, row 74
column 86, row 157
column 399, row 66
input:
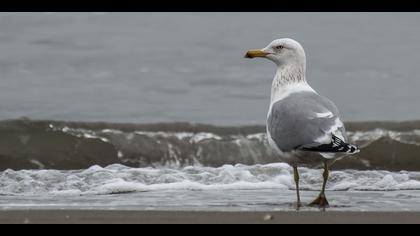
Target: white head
column 282, row 52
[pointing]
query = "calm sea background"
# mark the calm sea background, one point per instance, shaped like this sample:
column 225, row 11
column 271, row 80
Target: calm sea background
column 150, row 67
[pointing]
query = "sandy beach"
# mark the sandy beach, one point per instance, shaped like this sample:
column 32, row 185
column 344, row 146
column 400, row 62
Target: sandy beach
column 197, row 217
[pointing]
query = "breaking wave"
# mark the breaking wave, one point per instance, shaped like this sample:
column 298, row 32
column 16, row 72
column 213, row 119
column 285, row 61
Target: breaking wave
column 27, row 144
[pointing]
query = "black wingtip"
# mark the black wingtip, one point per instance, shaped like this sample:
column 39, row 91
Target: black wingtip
column 336, row 146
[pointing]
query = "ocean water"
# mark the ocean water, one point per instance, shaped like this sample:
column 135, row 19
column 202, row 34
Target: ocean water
column 185, row 112
column 152, row 67
column 227, row 188
column 182, row 166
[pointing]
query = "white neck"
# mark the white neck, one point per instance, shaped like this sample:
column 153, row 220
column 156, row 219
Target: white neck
column 289, row 79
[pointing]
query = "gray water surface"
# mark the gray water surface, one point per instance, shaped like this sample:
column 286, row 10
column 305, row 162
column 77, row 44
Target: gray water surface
column 149, row 67
column 216, row 200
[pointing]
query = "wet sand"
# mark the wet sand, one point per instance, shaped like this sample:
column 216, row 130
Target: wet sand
column 197, row 217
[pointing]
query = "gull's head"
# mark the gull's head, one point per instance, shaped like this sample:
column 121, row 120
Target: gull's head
column 281, row 51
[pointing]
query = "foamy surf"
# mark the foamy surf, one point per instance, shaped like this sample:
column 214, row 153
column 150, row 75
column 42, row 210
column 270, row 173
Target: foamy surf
column 118, row 179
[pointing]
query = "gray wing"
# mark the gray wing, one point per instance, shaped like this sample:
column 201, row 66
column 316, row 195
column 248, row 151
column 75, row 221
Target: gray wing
column 304, row 120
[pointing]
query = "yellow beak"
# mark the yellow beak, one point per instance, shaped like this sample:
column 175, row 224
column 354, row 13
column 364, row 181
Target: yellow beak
column 255, row 53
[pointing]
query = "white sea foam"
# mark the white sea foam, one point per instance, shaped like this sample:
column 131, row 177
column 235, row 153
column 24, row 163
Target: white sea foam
column 258, row 136
column 408, row 137
column 363, row 138
column 192, row 137
column 80, row 133
column 117, row 179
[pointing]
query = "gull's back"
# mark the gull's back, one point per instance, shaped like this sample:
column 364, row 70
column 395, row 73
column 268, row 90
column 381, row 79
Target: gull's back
column 305, row 121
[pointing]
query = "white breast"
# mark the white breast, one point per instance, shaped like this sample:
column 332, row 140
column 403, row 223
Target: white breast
column 280, row 92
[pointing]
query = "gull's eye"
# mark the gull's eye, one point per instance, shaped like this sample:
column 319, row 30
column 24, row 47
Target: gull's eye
column 279, row 47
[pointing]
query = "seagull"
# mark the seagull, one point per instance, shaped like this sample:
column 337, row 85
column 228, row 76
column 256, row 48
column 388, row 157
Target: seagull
column 303, row 127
